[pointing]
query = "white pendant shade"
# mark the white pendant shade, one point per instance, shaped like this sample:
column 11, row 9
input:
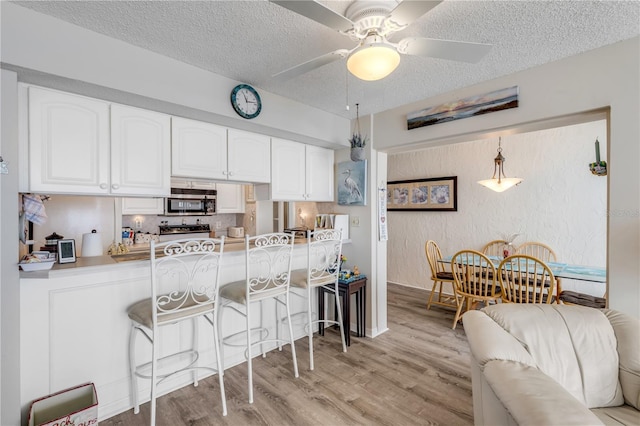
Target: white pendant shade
column 373, row 61
column 501, row 184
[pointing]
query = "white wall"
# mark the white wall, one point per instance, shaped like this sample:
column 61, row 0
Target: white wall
column 9, row 282
column 560, row 202
column 601, row 78
column 37, row 42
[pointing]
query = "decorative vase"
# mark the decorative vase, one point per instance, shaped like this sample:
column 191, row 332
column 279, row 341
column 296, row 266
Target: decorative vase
column 507, row 250
column 357, row 154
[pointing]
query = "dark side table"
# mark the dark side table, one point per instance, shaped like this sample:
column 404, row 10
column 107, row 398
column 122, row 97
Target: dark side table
column 355, row 285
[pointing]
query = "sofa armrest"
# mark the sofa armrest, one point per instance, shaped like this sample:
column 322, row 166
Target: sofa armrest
column 489, row 341
column 533, row 398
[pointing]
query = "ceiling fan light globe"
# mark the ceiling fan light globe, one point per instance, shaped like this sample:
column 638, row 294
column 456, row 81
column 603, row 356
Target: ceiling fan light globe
column 373, row 61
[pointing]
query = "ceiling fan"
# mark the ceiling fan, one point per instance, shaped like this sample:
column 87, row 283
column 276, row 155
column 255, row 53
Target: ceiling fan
column 370, row 23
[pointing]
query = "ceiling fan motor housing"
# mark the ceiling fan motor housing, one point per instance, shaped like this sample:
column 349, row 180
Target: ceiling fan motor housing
column 370, row 15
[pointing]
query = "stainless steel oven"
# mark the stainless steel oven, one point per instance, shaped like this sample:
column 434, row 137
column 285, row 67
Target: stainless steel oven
column 190, row 202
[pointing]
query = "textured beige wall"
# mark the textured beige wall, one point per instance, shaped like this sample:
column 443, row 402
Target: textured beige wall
column 559, row 203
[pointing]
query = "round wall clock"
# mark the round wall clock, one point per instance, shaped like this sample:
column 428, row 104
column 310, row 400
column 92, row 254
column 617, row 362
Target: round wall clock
column 246, row 101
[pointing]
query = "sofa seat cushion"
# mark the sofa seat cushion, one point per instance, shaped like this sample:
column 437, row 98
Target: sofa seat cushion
column 574, row 345
column 618, row 416
column 533, row 398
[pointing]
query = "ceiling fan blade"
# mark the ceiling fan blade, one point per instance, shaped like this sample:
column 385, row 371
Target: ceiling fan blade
column 444, row 49
column 410, row 10
column 317, row 12
column 312, row 64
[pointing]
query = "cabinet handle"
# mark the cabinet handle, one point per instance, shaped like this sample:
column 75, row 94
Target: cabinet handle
column 224, row 172
column 103, row 186
column 230, row 173
column 115, row 186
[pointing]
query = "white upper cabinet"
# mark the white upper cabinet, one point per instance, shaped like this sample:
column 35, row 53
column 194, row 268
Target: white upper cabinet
column 68, row 143
column 230, row 198
column 79, row 145
column 140, row 152
column 319, row 176
column 207, row 151
column 301, row 172
column 248, row 157
column 198, row 149
column 288, row 170
column 133, row 205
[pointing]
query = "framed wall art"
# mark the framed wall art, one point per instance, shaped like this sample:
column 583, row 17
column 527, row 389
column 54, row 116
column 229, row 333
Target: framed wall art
column 352, row 183
column 436, row 194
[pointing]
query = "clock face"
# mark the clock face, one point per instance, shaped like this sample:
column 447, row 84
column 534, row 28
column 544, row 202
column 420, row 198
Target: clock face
column 246, row 101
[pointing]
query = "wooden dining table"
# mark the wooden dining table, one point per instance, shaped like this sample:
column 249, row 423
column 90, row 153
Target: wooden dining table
column 562, row 270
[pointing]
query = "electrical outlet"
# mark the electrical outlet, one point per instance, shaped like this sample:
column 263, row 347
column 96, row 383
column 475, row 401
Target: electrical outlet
column 355, row 221
column 218, row 225
column 138, row 223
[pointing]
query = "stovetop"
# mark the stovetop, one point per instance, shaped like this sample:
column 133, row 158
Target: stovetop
column 184, row 229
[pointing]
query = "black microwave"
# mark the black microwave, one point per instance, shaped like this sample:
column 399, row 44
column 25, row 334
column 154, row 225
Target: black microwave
column 190, row 202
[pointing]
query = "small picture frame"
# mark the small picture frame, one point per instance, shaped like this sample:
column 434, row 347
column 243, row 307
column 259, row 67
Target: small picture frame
column 66, row 251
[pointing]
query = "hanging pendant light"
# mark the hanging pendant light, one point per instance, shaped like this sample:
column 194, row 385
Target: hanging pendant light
column 501, row 183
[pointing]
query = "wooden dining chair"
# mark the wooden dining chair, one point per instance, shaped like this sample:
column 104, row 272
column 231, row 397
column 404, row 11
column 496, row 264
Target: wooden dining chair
column 540, row 251
column 474, row 276
column 526, row 279
column 439, row 275
column 494, row 248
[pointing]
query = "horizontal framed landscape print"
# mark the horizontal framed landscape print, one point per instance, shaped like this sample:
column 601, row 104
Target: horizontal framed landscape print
column 436, row 194
column 463, row 108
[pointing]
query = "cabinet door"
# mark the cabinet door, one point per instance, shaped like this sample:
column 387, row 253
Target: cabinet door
column 288, row 170
column 142, row 206
column 68, row 143
column 198, row 150
column 319, row 176
column 248, row 157
column 140, row 152
column 230, row 198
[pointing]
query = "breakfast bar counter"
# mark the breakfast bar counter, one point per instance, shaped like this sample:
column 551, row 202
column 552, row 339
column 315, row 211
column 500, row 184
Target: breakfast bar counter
column 75, row 329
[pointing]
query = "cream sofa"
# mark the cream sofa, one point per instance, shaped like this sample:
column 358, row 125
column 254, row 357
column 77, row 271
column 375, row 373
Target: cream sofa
column 553, row 365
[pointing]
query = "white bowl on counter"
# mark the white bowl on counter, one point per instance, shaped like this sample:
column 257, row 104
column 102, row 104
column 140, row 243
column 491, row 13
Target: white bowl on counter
column 37, row 266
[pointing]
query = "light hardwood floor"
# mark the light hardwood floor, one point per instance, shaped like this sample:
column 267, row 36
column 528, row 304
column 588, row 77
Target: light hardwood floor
column 416, row 373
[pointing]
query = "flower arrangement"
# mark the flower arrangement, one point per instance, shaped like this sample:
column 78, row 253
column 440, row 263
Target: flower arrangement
column 343, row 258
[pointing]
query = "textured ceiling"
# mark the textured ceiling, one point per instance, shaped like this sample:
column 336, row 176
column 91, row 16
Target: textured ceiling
column 249, row 41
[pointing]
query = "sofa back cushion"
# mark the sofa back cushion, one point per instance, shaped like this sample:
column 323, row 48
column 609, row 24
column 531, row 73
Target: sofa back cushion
column 574, row 345
column 627, row 330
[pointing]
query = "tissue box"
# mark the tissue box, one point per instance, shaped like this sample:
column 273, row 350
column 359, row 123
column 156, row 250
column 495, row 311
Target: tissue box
column 76, row 406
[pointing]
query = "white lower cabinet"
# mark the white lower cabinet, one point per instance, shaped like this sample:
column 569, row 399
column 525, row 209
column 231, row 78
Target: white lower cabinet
column 301, row 172
column 133, row 205
column 230, row 198
column 79, row 145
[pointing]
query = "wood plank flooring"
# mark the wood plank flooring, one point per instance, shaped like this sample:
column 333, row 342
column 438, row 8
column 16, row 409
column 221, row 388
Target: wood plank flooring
column 417, row 373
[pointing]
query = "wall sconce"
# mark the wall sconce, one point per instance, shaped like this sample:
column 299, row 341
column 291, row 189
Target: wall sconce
column 501, row 183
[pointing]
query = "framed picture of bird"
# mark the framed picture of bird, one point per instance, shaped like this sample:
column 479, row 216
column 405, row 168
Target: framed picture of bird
column 437, row 194
column 352, row 183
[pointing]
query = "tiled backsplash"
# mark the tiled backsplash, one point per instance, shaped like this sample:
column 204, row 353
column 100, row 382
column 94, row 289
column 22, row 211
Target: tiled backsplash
column 151, row 223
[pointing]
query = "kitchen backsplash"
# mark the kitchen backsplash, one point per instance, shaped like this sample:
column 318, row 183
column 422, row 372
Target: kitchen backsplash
column 151, row 223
